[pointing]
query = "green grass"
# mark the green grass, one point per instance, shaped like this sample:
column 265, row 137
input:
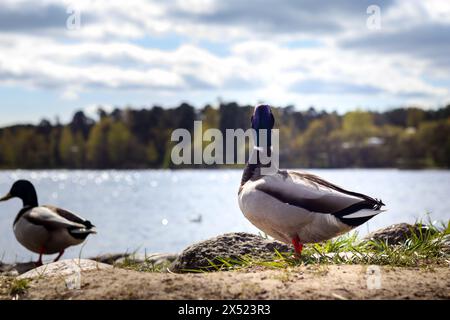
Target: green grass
column 18, row 287
column 130, row 263
column 421, row 250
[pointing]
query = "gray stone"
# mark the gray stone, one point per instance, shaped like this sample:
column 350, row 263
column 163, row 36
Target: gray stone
column 445, row 244
column 156, row 259
column 16, row 268
column 4, row 267
column 110, row 258
column 230, row 245
column 64, row 268
column 147, row 262
column 396, row 233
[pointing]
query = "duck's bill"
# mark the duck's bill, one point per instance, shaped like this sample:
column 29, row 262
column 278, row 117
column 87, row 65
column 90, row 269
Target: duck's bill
column 7, row 197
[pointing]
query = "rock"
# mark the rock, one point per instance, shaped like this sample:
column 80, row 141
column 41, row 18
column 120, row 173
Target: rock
column 445, row 244
column 230, row 245
column 154, row 259
column 7, row 270
column 4, row 267
column 143, row 262
column 110, row 258
column 396, row 233
column 161, row 258
column 16, row 268
column 64, row 268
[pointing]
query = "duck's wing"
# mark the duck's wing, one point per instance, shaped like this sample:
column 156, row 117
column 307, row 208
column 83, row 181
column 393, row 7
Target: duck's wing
column 317, row 195
column 50, row 219
column 69, row 216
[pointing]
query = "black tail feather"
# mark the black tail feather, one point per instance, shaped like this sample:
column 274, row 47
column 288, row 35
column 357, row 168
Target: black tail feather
column 372, row 204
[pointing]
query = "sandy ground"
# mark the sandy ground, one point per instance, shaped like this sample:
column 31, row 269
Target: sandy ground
column 307, row 282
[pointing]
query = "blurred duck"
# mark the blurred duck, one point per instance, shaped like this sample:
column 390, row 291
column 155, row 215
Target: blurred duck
column 45, row 229
column 297, row 207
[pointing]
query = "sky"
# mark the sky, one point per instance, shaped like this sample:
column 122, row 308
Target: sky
column 57, row 57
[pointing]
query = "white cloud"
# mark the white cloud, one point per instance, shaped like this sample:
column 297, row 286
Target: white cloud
column 69, row 94
column 262, row 62
column 198, row 6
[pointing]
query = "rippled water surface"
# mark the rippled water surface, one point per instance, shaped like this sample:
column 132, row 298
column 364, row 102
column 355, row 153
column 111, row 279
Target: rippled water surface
column 153, row 211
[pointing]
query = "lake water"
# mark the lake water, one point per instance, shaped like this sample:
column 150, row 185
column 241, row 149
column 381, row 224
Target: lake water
column 152, row 210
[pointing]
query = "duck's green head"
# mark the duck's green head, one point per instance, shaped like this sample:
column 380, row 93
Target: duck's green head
column 24, row 190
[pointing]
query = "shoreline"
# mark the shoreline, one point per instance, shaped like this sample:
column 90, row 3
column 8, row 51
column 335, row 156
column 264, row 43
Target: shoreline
column 337, row 282
column 398, row 262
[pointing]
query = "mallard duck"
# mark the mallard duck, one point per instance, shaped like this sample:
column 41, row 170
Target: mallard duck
column 45, row 229
column 297, row 207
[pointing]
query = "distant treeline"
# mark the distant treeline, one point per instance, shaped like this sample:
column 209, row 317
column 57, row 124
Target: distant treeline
column 130, row 138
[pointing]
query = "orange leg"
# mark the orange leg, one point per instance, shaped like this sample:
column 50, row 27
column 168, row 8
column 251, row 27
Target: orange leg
column 59, row 256
column 298, row 246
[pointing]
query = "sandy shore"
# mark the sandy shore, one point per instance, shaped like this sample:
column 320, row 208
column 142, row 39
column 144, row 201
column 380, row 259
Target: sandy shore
column 305, row 282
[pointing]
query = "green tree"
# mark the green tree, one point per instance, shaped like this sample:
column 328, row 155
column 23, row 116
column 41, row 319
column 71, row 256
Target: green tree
column 97, row 145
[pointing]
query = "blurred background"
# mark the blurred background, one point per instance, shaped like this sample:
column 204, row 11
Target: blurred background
column 92, row 90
